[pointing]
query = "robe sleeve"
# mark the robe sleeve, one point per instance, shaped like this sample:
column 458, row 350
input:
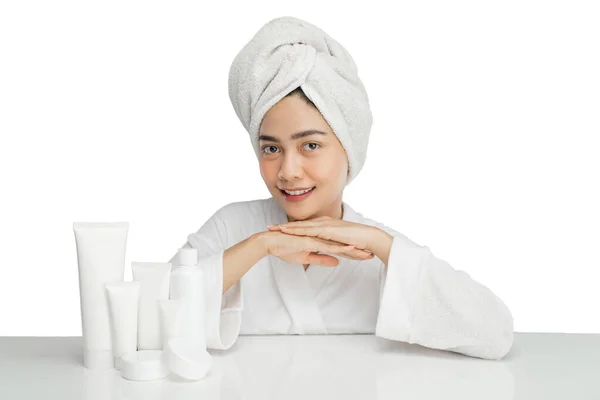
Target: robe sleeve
column 223, row 311
column 426, row 301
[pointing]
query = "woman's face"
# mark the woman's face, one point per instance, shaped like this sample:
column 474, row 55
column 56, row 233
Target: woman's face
column 292, row 157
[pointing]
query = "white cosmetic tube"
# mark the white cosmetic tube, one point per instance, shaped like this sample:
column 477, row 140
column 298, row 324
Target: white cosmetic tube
column 171, row 319
column 101, row 259
column 123, row 309
column 155, row 281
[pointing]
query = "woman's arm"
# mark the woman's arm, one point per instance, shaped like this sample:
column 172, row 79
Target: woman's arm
column 380, row 244
column 425, row 300
column 223, row 268
column 239, row 258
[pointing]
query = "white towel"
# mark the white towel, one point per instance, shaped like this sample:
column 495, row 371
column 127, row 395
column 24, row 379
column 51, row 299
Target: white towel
column 287, row 53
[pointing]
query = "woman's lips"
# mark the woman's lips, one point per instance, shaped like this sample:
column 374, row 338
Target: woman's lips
column 300, row 197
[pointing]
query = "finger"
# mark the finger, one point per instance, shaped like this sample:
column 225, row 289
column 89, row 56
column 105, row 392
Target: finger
column 349, row 256
column 307, row 223
column 316, row 245
column 329, row 241
column 356, row 250
column 356, row 255
column 321, row 259
column 334, row 248
column 320, row 232
column 361, row 254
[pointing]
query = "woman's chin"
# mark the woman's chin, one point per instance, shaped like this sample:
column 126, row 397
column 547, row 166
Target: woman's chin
column 298, row 210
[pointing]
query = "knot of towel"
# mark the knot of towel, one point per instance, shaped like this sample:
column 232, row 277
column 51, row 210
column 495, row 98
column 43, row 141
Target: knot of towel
column 287, row 53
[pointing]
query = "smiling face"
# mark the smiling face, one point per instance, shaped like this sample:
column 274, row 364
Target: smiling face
column 298, row 149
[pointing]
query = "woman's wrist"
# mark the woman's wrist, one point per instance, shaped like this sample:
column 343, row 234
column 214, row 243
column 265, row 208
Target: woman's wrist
column 380, row 244
column 261, row 241
column 239, row 258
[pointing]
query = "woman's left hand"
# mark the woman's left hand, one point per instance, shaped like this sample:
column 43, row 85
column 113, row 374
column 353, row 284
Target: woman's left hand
column 338, row 230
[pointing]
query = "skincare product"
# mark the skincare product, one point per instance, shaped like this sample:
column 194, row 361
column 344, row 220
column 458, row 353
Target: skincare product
column 154, row 278
column 171, row 319
column 123, row 308
column 144, row 365
column 101, row 259
column 186, row 358
column 187, row 284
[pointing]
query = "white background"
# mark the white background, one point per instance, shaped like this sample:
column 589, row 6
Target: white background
column 484, row 145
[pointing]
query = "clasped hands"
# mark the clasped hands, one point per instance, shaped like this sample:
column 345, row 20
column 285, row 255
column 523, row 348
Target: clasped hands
column 301, row 241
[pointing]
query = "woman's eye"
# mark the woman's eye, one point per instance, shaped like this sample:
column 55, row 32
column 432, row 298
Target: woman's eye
column 314, row 148
column 271, row 147
column 268, row 147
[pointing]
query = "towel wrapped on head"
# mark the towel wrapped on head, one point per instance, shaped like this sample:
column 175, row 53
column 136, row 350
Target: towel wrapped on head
column 287, row 53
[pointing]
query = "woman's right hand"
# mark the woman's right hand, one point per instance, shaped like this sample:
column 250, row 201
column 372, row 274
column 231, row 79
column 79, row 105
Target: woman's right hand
column 303, row 249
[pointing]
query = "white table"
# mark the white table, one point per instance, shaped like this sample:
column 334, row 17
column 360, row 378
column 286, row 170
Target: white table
column 539, row 366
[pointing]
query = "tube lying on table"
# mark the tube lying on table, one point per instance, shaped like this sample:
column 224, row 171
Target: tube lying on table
column 101, row 259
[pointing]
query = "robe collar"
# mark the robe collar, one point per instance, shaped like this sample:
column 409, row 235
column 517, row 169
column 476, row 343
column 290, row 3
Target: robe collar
column 292, row 281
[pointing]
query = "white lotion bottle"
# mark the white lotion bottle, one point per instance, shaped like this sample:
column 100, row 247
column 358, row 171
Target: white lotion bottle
column 188, row 285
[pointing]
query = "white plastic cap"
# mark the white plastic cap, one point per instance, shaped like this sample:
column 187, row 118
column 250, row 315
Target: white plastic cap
column 186, row 359
column 143, row 365
column 188, row 256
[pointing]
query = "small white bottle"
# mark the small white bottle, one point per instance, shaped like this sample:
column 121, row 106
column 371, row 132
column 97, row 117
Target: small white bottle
column 187, row 284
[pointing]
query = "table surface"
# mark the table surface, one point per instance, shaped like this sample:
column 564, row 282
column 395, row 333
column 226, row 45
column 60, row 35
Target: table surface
column 539, row 366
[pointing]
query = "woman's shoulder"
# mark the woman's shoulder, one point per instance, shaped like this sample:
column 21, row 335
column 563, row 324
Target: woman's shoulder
column 244, row 210
column 242, row 218
column 356, row 216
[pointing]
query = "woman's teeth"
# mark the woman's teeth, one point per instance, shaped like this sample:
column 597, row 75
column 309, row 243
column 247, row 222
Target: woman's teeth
column 298, row 192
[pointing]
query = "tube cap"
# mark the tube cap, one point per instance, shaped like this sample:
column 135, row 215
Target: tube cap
column 186, row 359
column 98, row 359
column 143, row 365
column 188, row 256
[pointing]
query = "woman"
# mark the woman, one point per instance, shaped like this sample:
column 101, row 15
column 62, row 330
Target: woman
column 303, row 261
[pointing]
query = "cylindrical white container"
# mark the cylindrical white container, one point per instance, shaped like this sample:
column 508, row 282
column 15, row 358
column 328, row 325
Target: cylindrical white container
column 154, row 278
column 171, row 319
column 188, row 284
column 144, row 365
column 123, row 308
column 101, row 259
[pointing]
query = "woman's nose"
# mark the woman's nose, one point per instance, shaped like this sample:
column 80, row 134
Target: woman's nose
column 290, row 169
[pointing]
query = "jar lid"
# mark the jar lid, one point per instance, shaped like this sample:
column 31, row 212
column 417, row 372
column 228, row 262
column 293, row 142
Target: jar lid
column 186, row 358
column 143, row 365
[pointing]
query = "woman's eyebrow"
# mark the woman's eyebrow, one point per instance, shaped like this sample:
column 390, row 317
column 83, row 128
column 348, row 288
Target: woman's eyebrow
column 294, row 136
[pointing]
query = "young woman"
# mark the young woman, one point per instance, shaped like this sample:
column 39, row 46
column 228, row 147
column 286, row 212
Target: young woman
column 303, row 261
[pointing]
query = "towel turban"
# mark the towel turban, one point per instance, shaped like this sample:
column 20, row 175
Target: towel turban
column 287, row 53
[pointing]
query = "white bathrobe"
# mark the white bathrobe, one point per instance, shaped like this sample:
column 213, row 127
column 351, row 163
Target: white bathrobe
column 417, row 298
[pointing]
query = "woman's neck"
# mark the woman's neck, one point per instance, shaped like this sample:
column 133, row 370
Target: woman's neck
column 336, row 213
